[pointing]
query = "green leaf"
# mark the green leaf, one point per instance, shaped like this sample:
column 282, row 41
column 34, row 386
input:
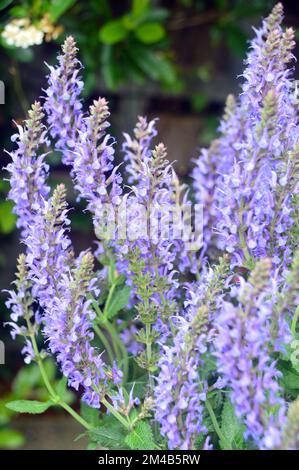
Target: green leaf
column 61, row 386
column 50, row 368
column 113, row 32
column 141, row 437
column 130, row 21
column 139, row 7
column 231, row 427
column 29, row 406
column 63, row 392
column 26, row 379
column 290, row 376
column 140, row 385
column 155, row 66
column 11, row 439
column 58, row 8
column 92, row 446
column 119, row 300
column 91, row 415
column 7, row 218
column 110, row 436
column 149, row 33
column 4, row 4
column 290, row 379
column 111, row 71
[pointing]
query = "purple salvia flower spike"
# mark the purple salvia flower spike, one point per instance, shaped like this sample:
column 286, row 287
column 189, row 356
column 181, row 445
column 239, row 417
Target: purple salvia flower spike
column 258, row 139
column 61, row 284
column 28, row 169
column 20, row 302
column 96, row 179
column 244, row 347
column 138, row 149
column 63, row 103
column 180, row 392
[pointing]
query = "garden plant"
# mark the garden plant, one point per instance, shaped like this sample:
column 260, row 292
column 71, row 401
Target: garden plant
column 179, row 327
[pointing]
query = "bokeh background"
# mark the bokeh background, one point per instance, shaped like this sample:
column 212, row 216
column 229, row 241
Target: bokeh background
column 172, row 59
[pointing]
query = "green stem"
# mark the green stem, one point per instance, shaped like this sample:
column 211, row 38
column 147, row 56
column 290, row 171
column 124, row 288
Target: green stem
column 128, row 425
column 105, row 342
column 115, row 413
column 216, row 426
column 75, row 415
column 125, row 356
column 42, row 369
column 55, row 398
column 118, row 346
column 95, row 305
column 244, row 246
column 109, row 297
column 115, row 339
column 149, row 353
column 294, row 321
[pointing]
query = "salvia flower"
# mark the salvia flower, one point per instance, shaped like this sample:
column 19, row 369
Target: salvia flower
column 244, row 358
column 28, row 169
column 212, row 164
column 60, row 283
column 63, row 104
column 229, row 332
column 259, row 183
column 144, row 255
column 138, row 149
column 186, row 240
column 286, row 292
column 254, row 160
column 180, row 392
column 49, row 250
column 23, row 315
column 96, row 178
column 207, row 444
column 152, row 193
column 68, row 329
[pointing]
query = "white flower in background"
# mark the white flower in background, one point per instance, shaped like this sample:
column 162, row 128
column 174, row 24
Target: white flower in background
column 22, row 33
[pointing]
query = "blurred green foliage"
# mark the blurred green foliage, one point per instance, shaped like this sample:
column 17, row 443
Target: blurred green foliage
column 27, row 383
column 129, row 45
column 132, row 39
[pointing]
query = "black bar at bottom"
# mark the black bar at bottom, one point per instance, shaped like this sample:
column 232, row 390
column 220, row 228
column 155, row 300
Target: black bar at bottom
column 133, row 459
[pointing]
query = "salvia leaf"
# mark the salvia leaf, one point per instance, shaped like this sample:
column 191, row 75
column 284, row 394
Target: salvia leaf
column 230, row 426
column 29, row 406
column 109, row 436
column 119, row 300
column 141, row 437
